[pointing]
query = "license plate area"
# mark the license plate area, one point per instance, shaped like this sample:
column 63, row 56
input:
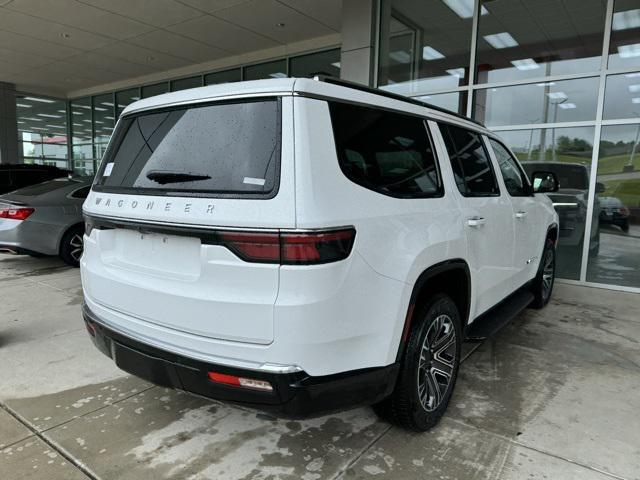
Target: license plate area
column 170, row 255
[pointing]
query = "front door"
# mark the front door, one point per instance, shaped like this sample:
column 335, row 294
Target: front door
column 527, row 216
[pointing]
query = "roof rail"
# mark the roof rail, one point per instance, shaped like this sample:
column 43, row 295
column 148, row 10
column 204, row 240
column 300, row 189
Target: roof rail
column 395, row 96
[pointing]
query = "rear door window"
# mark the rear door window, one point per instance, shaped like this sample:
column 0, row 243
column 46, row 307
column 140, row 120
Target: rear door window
column 514, row 178
column 384, row 151
column 470, row 162
column 216, row 149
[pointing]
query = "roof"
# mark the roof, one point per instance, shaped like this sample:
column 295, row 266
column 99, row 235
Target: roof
column 322, row 87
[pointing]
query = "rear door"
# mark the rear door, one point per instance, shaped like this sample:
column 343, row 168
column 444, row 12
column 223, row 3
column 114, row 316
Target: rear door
column 487, row 216
column 172, row 182
column 527, row 214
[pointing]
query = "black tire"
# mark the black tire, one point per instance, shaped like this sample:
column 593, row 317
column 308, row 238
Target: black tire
column 624, row 225
column 425, row 382
column 71, row 245
column 542, row 286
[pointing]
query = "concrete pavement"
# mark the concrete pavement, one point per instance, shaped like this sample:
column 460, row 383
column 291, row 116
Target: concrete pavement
column 553, row 396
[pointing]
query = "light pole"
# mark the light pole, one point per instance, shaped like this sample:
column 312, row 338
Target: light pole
column 555, row 102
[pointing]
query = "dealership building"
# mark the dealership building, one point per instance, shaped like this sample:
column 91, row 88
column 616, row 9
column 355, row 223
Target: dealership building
column 559, row 80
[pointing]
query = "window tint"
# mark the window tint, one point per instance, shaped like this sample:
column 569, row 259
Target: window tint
column 512, row 175
column 229, row 148
column 81, row 192
column 470, row 162
column 386, row 152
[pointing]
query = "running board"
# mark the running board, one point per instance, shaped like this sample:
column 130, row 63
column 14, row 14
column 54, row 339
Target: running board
column 491, row 322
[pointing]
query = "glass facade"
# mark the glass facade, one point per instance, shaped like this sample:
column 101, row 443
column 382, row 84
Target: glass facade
column 560, row 82
column 42, row 130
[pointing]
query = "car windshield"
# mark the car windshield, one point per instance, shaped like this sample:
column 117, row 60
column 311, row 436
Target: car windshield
column 229, row 148
column 570, row 176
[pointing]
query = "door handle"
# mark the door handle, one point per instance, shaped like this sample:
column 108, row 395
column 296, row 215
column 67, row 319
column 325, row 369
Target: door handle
column 521, row 214
column 476, row 221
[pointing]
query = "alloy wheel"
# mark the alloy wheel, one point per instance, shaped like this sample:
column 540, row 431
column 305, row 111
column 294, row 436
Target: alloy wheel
column 437, row 362
column 77, row 245
column 548, row 274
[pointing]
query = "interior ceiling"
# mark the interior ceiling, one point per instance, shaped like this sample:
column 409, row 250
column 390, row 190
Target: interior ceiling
column 66, row 45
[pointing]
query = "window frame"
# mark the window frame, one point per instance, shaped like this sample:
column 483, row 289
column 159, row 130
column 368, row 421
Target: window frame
column 122, row 129
column 525, row 178
column 466, row 194
column 429, row 136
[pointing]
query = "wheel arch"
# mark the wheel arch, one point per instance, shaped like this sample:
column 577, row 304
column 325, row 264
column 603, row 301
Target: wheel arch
column 443, row 277
column 553, row 232
column 66, row 230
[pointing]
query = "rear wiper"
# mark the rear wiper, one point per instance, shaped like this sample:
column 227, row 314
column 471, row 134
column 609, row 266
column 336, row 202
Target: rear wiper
column 164, row 177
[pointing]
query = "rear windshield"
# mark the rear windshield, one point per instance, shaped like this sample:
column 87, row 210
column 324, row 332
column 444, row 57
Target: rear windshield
column 224, row 148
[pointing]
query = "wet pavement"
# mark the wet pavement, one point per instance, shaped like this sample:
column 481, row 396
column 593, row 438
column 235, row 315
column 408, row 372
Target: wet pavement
column 552, row 396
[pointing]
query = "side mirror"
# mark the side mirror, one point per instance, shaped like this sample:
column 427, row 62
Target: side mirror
column 600, row 188
column 545, row 182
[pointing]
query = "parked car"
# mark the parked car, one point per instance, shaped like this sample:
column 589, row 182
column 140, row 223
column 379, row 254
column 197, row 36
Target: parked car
column 15, row 176
column 571, row 202
column 614, row 212
column 306, row 245
column 45, row 219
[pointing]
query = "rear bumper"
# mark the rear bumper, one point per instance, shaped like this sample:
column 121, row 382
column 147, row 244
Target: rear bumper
column 294, row 394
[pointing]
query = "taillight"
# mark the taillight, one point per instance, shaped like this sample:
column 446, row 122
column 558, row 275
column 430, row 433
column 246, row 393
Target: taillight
column 624, row 211
column 21, row 213
column 243, row 382
column 289, row 248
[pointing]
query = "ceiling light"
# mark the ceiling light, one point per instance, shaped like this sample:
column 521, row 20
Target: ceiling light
column 400, row 56
column 61, row 111
column 53, row 126
column 336, row 64
column 525, row 64
column 626, row 20
column 278, row 75
column 567, row 106
column 77, row 124
column 635, row 100
column 109, row 118
column 464, row 8
column 48, row 115
column 430, row 53
column 545, row 84
column 86, row 120
column 20, row 121
column 98, row 121
column 36, row 99
column 501, row 40
column 632, row 75
column 634, row 88
column 34, row 119
column 629, row 51
column 106, row 104
column 557, row 95
column 100, row 109
column 23, row 105
column 456, row 72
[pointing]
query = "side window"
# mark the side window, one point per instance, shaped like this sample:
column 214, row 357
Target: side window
column 387, row 152
column 470, row 162
column 81, row 192
column 512, row 174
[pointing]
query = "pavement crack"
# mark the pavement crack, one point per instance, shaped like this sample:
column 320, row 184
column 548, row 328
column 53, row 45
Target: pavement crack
column 64, row 454
column 364, row 450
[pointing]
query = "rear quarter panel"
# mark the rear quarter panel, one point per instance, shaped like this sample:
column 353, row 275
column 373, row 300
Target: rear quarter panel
column 398, row 238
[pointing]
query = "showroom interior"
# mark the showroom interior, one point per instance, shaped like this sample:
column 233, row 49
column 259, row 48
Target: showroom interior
column 560, row 82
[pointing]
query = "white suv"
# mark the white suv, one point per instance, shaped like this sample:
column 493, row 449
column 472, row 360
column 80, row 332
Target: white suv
column 309, row 245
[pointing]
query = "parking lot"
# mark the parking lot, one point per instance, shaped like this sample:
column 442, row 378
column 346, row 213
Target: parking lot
column 553, row 396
